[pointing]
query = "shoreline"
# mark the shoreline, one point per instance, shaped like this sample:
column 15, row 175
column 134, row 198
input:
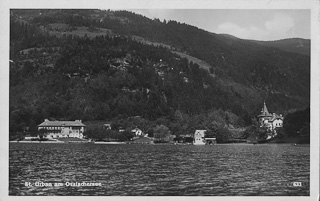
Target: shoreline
column 52, row 142
column 122, row 143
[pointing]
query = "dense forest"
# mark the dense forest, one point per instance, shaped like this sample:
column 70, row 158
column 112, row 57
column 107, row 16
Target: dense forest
column 106, row 74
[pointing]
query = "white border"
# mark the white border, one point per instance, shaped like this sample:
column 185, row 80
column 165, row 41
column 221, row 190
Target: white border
column 6, row 5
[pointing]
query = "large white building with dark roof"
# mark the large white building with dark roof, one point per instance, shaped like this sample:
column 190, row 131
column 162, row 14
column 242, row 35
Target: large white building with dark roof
column 62, row 129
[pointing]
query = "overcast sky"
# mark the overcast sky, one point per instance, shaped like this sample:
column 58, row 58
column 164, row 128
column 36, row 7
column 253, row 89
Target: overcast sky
column 246, row 24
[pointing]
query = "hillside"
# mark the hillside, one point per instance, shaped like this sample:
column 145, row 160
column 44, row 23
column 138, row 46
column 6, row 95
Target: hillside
column 114, row 65
column 296, row 45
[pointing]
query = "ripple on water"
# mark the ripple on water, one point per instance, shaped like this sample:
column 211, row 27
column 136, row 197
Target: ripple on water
column 160, row 169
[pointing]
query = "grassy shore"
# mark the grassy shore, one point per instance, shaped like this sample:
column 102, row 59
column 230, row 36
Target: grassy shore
column 60, row 140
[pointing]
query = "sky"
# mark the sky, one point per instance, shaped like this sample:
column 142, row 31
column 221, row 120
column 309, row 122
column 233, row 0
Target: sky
column 255, row 24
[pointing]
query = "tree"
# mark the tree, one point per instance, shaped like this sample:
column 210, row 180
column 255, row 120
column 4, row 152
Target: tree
column 293, row 122
column 304, row 133
column 42, row 132
column 222, row 134
column 116, row 125
column 32, row 126
column 161, row 121
column 128, row 134
column 280, row 133
column 261, row 132
column 95, row 134
column 175, row 128
column 255, row 132
column 161, row 134
column 305, row 130
column 112, row 135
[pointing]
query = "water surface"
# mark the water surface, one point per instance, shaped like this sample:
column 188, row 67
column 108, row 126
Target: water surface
column 183, row 170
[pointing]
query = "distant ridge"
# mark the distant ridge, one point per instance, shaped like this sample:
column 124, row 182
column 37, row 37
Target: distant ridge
column 229, row 36
column 295, row 45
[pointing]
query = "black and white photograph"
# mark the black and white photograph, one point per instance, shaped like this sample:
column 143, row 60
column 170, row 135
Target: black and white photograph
column 132, row 99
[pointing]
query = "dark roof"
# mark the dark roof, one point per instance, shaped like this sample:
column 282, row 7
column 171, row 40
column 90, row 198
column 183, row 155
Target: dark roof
column 276, row 117
column 135, row 130
column 61, row 123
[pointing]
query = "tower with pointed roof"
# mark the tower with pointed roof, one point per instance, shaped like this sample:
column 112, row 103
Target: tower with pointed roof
column 264, row 115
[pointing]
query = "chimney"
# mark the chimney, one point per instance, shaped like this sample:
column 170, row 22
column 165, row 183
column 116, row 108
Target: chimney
column 46, row 120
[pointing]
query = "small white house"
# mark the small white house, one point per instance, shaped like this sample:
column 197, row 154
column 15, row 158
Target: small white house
column 199, row 137
column 107, row 126
column 137, row 132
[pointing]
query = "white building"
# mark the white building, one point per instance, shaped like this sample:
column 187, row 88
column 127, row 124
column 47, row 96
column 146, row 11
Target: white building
column 107, row 126
column 270, row 121
column 62, row 129
column 199, row 138
column 137, row 132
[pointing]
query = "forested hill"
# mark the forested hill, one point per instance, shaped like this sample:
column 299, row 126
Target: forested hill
column 98, row 65
column 297, row 45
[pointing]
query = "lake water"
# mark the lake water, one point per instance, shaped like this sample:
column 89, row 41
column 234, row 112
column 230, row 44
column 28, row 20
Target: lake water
column 218, row 170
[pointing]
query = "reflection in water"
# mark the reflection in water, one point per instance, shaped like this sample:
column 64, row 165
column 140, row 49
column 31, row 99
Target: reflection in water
column 231, row 170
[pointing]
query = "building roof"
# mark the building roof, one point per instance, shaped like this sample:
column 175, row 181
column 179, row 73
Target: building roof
column 274, row 117
column 61, row 123
column 200, row 132
column 135, row 130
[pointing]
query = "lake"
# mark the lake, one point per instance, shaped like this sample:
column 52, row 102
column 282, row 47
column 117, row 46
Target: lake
column 171, row 170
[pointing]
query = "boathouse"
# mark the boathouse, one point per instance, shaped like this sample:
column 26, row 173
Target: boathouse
column 211, row 141
column 62, row 129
